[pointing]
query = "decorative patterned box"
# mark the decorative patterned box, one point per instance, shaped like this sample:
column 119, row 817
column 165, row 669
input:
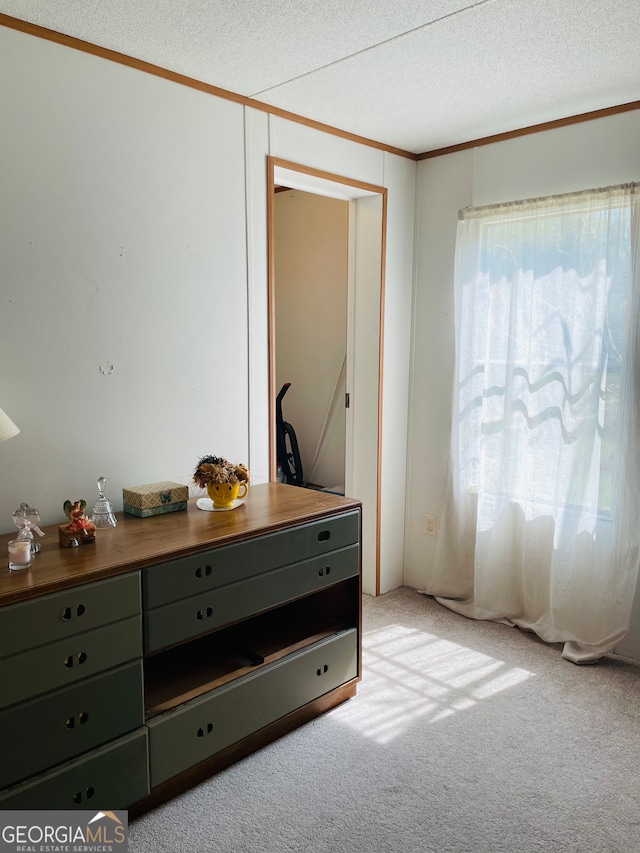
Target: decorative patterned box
column 155, row 499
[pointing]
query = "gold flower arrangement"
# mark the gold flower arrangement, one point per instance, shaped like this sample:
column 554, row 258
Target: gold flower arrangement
column 216, row 469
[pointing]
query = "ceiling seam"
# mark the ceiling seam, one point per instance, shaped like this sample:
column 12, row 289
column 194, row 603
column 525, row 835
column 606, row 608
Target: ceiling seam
column 373, row 47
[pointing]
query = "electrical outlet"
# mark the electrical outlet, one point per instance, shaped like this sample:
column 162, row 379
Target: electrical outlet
column 431, row 524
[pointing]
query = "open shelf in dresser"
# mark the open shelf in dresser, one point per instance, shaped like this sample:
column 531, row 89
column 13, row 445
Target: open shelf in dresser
column 181, row 673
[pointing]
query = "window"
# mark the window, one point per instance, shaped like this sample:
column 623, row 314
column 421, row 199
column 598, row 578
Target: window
column 541, row 342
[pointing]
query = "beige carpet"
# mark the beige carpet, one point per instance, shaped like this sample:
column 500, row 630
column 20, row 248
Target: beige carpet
column 465, row 737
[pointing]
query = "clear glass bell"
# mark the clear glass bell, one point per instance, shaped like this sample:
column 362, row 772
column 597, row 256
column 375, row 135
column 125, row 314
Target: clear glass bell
column 103, row 514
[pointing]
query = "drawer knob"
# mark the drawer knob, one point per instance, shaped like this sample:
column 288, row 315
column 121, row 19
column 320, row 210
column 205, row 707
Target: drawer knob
column 205, row 730
column 324, row 535
column 75, row 660
column 81, row 796
column 203, row 571
column 205, row 613
column 325, row 571
column 73, row 612
column 322, row 670
column 77, row 720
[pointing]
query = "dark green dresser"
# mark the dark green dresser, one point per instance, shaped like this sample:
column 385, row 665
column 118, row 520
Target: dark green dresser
column 72, row 681
column 133, row 668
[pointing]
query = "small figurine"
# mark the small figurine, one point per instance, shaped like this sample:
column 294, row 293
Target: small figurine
column 80, row 530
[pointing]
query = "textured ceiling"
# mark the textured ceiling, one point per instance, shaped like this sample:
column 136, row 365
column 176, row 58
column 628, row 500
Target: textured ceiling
column 415, row 74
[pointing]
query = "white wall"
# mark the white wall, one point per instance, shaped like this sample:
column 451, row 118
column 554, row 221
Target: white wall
column 133, row 225
column 592, row 154
column 256, row 141
column 444, row 185
column 364, row 378
column 400, row 180
column 311, row 255
column 123, row 240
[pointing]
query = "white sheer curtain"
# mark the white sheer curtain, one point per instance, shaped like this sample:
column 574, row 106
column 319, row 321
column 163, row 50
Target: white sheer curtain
column 541, row 523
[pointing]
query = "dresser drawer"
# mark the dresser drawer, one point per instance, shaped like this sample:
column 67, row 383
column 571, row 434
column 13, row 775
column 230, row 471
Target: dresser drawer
column 115, row 775
column 203, row 727
column 53, row 728
column 63, row 663
column 190, row 576
column 190, row 617
column 63, row 614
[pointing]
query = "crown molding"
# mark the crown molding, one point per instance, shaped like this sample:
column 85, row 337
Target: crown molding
column 534, row 128
column 148, row 68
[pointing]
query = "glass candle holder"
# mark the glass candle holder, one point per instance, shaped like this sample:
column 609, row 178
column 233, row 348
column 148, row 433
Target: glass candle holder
column 19, row 554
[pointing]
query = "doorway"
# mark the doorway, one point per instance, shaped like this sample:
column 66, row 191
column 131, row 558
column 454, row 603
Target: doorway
column 310, row 295
column 353, row 367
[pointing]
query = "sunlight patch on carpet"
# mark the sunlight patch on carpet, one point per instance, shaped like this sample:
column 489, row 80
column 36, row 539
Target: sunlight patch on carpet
column 411, row 675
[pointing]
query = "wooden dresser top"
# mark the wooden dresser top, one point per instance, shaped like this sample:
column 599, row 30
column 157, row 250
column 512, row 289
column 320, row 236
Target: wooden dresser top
column 139, row 542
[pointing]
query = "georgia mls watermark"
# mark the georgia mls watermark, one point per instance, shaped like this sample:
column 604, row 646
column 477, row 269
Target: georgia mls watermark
column 64, row 832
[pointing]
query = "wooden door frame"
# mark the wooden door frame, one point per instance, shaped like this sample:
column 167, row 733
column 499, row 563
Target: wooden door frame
column 373, row 189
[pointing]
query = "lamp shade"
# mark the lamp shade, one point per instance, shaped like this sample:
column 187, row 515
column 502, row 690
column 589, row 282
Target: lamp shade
column 7, row 427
